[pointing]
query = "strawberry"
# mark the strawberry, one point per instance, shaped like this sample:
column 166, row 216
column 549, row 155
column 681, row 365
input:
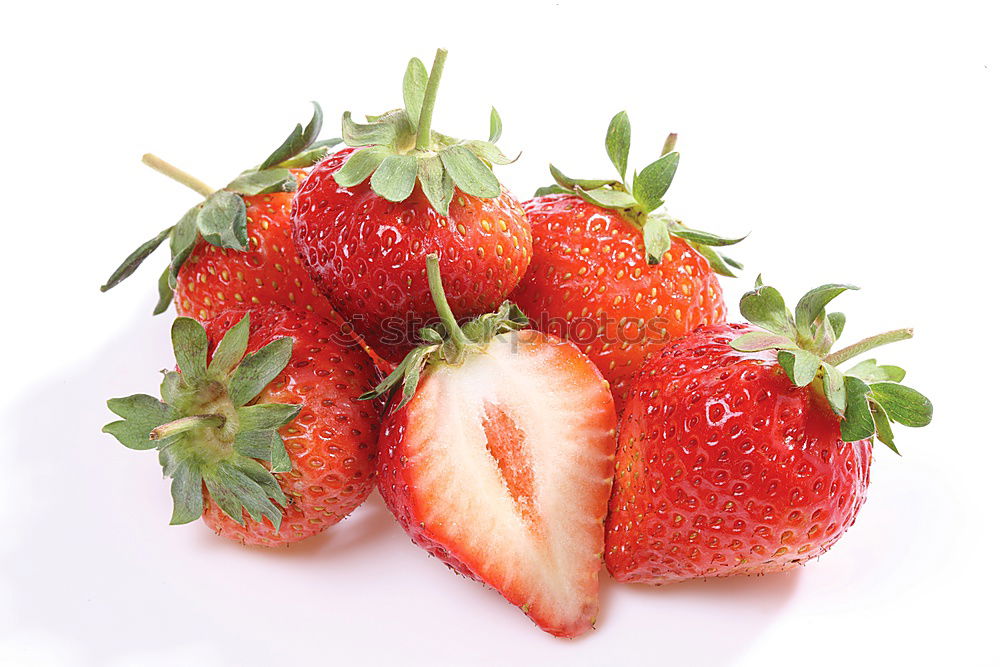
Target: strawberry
column 363, row 229
column 234, row 249
column 498, row 460
column 612, row 272
column 742, row 448
column 270, row 447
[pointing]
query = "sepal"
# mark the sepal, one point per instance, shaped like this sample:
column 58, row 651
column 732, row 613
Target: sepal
column 205, row 429
column 867, row 398
column 640, row 201
column 396, row 155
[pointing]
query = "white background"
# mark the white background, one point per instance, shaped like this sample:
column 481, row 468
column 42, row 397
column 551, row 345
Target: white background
column 858, row 143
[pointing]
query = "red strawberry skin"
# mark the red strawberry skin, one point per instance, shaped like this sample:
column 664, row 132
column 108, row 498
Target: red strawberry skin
column 589, row 282
column 213, row 280
column 367, row 254
column 331, row 443
column 426, row 496
column 725, row 467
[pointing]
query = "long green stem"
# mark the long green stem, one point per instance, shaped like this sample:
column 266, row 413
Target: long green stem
column 441, row 302
column 430, row 95
column 870, row 343
column 185, row 424
column 178, row 175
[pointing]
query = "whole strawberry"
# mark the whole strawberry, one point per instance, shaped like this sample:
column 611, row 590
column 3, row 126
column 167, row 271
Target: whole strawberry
column 497, row 459
column 363, row 228
column 259, row 428
column 744, row 450
column 234, row 250
column 612, row 272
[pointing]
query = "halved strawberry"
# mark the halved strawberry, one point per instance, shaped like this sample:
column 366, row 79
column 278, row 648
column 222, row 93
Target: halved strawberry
column 498, row 460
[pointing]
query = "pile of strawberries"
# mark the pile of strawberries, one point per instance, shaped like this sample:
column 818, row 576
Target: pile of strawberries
column 536, row 388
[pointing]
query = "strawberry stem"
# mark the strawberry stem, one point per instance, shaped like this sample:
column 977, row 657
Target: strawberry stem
column 185, row 424
column 441, row 303
column 178, row 175
column 430, row 95
column 870, row 343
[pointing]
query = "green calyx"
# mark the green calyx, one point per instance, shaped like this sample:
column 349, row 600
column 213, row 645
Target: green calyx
column 399, row 148
column 641, row 201
column 207, row 429
column 867, row 397
column 447, row 342
column 221, row 219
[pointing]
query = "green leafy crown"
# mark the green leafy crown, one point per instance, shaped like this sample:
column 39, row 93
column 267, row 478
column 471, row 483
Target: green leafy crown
column 221, row 219
column 868, row 397
column 400, row 148
column 446, row 341
column 206, row 429
column 640, row 203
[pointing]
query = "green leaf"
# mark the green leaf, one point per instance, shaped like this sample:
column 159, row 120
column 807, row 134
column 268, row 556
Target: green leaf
column 858, row 423
column 487, row 152
column 141, row 414
column 171, row 388
column 904, row 405
column 307, row 158
column 414, row 85
column 837, row 322
column 186, row 491
column 190, row 348
column 226, row 499
column 374, row 134
column 765, row 307
column 395, row 176
column 572, row 183
column 618, row 141
column 811, row 306
column 234, row 490
column 435, row 183
column 656, row 238
column 166, row 293
column 182, row 242
column 834, row 388
column 703, row 238
column 266, row 416
column 470, row 174
column 137, row 257
column 801, row 366
column 360, row 165
column 869, row 371
column 551, row 190
column 280, row 462
column 297, row 141
column 756, row 341
column 255, row 444
column 262, row 182
column 654, row 180
column 263, row 478
column 258, row 369
column 883, row 429
column 231, row 348
column 607, row 198
column 717, row 261
column 222, row 220
column 496, row 127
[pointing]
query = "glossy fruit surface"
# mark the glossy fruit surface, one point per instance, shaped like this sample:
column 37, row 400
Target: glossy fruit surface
column 367, row 254
column 213, row 280
column 725, row 467
column 589, row 281
column 332, row 440
column 501, row 467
